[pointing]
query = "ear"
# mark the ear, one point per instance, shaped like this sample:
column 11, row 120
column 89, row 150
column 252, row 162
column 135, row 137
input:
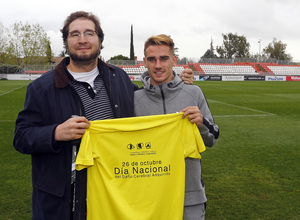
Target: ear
column 174, row 60
column 145, row 62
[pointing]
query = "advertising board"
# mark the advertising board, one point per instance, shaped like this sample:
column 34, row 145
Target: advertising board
column 254, row 78
column 293, row 78
column 232, row 78
column 275, row 78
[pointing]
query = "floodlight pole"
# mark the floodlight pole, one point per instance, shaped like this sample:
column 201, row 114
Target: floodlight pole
column 259, row 50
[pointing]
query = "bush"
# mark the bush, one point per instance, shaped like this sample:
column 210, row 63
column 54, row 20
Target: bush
column 11, row 69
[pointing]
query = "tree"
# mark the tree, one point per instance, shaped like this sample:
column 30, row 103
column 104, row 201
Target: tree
column 185, row 60
column 119, row 57
column 7, row 52
column 2, row 43
column 234, row 46
column 277, row 50
column 49, row 52
column 2, row 37
column 29, row 42
column 210, row 53
column 176, row 50
column 182, row 61
column 131, row 44
column 62, row 53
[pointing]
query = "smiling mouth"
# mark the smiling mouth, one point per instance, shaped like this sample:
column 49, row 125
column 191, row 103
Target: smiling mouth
column 158, row 72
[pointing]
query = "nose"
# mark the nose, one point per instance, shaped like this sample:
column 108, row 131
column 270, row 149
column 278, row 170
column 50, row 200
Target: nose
column 157, row 64
column 82, row 37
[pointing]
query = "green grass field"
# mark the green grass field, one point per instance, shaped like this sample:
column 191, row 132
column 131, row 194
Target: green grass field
column 251, row 173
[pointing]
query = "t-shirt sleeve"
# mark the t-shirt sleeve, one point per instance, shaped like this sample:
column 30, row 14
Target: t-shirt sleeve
column 193, row 143
column 85, row 157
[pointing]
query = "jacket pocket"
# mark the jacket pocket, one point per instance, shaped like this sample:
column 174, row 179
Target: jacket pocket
column 195, row 197
column 51, row 186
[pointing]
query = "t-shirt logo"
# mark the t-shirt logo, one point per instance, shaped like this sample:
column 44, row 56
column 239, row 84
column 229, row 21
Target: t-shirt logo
column 130, row 146
column 139, row 146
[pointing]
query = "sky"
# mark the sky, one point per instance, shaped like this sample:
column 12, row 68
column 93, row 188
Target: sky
column 192, row 24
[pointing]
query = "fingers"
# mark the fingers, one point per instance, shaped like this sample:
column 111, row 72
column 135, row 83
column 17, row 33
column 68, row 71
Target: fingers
column 71, row 129
column 80, row 122
column 187, row 76
column 77, row 126
column 194, row 115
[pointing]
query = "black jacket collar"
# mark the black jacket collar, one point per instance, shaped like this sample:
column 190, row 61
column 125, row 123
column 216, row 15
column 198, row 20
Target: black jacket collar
column 61, row 73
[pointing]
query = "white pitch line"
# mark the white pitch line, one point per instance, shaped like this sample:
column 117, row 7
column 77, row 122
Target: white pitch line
column 229, row 116
column 237, row 106
column 3, row 121
column 11, row 90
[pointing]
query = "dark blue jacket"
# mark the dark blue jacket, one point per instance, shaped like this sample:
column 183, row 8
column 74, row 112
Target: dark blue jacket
column 50, row 100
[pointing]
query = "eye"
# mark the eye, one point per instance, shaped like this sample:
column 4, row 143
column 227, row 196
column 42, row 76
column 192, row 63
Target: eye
column 75, row 34
column 164, row 58
column 89, row 33
column 150, row 59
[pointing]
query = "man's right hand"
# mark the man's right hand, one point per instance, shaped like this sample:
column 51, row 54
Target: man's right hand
column 71, row 129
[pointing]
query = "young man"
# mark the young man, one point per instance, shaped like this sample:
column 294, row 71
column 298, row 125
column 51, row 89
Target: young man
column 57, row 110
column 163, row 93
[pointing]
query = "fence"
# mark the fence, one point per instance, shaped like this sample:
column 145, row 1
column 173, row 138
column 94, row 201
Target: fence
column 123, row 62
column 209, row 60
column 38, row 69
column 32, row 69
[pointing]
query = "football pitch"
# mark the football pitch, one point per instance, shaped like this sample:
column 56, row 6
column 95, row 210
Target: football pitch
column 253, row 172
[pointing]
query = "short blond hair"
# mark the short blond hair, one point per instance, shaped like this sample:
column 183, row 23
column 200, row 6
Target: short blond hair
column 158, row 40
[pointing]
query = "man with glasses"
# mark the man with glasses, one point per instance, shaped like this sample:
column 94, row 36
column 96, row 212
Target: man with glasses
column 57, row 110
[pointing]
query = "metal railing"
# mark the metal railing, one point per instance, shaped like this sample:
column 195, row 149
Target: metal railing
column 123, row 62
column 38, row 69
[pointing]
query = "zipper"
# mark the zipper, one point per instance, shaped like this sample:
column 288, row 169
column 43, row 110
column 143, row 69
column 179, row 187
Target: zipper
column 110, row 96
column 163, row 99
column 109, row 82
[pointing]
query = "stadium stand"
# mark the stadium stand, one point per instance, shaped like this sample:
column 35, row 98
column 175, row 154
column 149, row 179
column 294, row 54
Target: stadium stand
column 178, row 69
column 196, row 67
column 226, row 69
column 212, row 69
column 264, row 69
column 285, row 70
column 134, row 70
column 140, row 69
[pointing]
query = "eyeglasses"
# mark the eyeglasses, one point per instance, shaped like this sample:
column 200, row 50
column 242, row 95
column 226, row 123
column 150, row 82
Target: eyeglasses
column 77, row 35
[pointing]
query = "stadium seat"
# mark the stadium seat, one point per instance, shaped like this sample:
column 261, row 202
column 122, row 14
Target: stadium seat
column 285, row 70
column 228, row 69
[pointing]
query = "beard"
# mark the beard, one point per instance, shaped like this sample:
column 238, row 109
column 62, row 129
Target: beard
column 84, row 58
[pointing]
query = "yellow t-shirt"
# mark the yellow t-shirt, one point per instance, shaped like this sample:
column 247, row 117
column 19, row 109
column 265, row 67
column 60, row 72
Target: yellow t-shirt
column 136, row 166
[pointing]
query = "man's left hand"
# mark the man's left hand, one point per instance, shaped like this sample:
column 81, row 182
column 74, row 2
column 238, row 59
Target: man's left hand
column 194, row 114
column 187, row 76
